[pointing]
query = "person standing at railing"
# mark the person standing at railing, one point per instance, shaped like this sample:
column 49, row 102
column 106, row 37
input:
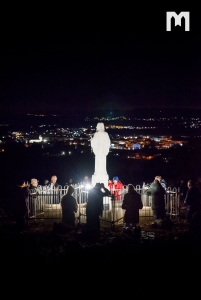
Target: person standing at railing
column 132, row 202
column 192, row 200
column 54, row 190
column 20, row 205
column 70, row 182
column 53, row 183
column 34, row 186
column 86, row 181
column 158, row 201
column 182, row 188
column 116, row 188
column 181, row 194
column 45, row 187
column 162, row 181
column 34, row 197
column 46, row 182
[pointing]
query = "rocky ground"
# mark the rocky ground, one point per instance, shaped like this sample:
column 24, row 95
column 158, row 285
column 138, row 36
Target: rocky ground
column 48, row 258
column 47, row 244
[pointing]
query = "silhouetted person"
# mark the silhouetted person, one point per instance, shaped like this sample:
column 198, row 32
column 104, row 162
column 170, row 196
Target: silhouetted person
column 162, row 181
column 131, row 203
column 182, row 187
column 94, row 208
column 105, row 190
column 192, row 200
column 69, row 207
column 20, row 204
column 195, row 225
column 198, row 183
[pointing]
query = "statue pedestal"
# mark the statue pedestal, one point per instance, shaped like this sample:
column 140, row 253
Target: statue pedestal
column 100, row 178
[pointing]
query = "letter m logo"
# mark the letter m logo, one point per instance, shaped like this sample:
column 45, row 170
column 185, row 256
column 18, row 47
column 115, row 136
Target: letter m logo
column 172, row 14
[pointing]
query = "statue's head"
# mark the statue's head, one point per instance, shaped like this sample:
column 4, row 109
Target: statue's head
column 100, row 127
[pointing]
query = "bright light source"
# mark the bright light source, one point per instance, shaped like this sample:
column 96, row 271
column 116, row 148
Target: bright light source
column 88, row 186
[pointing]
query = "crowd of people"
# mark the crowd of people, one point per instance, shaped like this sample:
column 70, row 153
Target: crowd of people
column 20, row 205
column 131, row 201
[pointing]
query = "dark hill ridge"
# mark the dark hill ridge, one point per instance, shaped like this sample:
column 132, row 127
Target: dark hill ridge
column 77, row 118
column 149, row 112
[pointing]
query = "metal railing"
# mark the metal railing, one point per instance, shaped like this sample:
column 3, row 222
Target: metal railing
column 46, row 204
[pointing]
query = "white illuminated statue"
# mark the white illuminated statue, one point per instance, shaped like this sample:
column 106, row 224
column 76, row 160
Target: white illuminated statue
column 100, row 144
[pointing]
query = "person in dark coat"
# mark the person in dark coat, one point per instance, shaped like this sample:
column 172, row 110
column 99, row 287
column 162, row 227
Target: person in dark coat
column 94, row 208
column 158, row 200
column 34, row 197
column 162, row 181
column 132, row 202
column 69, row 207
column 195, row 225
column 20, row 204
column 53, row 182
column 192, row 200
column 105, row 190
column 182, row 189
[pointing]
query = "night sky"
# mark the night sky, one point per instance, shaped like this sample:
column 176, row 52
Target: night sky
column 106, row 61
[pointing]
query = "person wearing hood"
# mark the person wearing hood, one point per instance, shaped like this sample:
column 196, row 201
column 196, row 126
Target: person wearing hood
column 69, row 207
column 116, row 188
column 94, row 208
column 132, row 202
